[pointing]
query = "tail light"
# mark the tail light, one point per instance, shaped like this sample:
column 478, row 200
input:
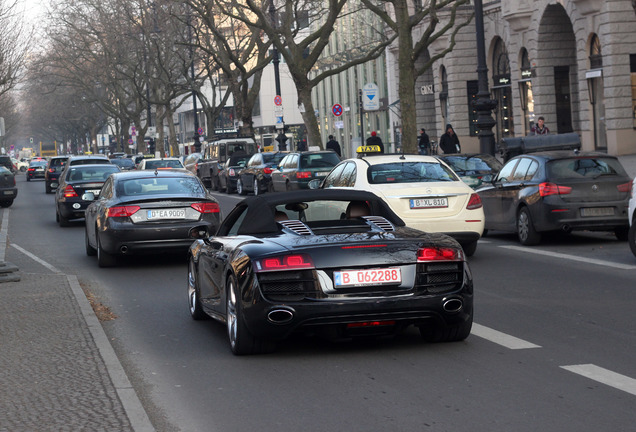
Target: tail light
column 31, row 169
column 546, row 189
column 625, row 187
column 267, row 170
column 439, row 254
column 206, row 207
column 69, row 192
column 303, row 174
column 122, row 211
column 284, row 262
column 474, row 202
column 51, row 170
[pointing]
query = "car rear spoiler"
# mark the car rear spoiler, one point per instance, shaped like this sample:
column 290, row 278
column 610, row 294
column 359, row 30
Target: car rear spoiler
column 510, row 147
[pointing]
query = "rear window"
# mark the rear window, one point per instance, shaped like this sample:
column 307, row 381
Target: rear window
column 580, row 168
column 85, row 173
column 273, row 158
column 89, row 161
column 55, row 163
column 163, row 164
column 160, row 186
column 409, row 172
column 319, row 160
column 124, row 163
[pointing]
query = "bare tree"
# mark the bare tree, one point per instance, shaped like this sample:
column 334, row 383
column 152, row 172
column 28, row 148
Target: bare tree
column 14, row 41
column 402, row 16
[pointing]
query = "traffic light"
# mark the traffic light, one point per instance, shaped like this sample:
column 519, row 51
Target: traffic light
column 151, row 145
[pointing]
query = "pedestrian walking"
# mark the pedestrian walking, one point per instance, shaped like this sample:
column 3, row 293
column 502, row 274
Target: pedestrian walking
column 334, row 145
column 539, row 128
column 424, row 143
column 449, row 143
column 301, row 145
column 375, row 140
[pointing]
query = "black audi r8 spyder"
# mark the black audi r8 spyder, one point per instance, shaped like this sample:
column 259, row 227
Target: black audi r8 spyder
column 327, row 261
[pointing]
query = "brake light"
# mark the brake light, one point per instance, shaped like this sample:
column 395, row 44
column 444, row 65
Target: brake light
column 303, row 174
column 284, row 262
column 206, row 207
column 625, row 187
column 122, row 211
column 439, row 254
column 267, row 170
column 30, row 169
column 546, row 189
column 474, row 202
column 69, row 192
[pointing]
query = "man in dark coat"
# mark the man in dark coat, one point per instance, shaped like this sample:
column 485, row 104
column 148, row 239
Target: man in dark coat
column 334, row 145
column 449, row 142
column 424, row 143
column 374, row 139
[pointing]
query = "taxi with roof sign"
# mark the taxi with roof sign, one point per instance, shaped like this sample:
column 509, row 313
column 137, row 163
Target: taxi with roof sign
column 424, row 191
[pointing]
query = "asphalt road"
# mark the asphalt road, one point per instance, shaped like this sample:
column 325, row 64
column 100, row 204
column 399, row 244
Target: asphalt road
column 552, row 348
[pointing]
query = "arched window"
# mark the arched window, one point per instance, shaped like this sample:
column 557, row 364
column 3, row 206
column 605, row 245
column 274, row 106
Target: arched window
column 596, row 57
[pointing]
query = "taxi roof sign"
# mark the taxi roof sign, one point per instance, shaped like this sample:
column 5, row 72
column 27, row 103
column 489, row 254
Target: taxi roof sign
column 368, row 149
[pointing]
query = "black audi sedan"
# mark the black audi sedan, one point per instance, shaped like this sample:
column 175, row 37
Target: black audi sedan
column 140, row 212
column 74, row 182
column 256, row 177
column 332, row 262
column 558, row 191
column 36, row 169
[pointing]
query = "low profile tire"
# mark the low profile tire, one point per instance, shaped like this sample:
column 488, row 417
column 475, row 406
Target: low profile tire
column 528, row 236
column 257, row 190
column 441, row 333
column 104, row 259
column 485, row 233
column 631, row 238
column 239, row 187
column 242, row 342
column 28, row 178
column 194, row 300
column 47, row 188
column 270, row 187
column 90, row 250
column 287, row 187
column 62, row 221
column 622, row 233
column 6, row 203
column 470, row 248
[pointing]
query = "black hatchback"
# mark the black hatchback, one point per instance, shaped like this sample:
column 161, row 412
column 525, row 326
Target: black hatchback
column 296, row 170
column 53, row 171
column 558, row 191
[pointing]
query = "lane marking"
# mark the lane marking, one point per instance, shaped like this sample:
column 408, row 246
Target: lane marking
column 572, row 257
column 4, row 233
column 500, row 338
column 604, row 376
column 36, row 259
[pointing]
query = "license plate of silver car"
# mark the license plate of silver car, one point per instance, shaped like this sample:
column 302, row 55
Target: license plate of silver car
column 166, row 214
column 597, row 211
column 420, row 203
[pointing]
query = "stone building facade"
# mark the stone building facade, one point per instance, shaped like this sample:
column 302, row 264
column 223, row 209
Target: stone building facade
column 571, row 61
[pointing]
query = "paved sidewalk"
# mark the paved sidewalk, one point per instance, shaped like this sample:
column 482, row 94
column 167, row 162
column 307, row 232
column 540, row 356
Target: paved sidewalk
column 58, row 371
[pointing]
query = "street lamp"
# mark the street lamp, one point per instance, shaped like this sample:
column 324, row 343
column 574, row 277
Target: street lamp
column 483, row 104
column 281, row 137
column 197, row 138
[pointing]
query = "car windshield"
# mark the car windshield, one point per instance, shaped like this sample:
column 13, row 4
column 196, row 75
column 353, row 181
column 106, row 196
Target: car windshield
column 319, row 160
column 409, row 172
column 163, row 163
column 38, row 163
column 84, row 173
column 578, row 168
column 159, row 186
column 471, row 165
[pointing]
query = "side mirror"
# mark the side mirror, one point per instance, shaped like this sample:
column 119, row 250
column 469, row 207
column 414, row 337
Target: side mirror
column 488, row 178
column 199, row 232
column 88, row 196
column 314, row 184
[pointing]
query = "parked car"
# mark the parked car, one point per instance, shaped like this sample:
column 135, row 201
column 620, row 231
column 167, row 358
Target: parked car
column 7, row 162
column 20, row 164
column 297, row 169
column 558, row 190
column 144, row 211
column 286, row 263
column 36, row 169
column 76, row 181
column 256, row 177
column 124, row 164
column 160, row 164
column 216, row 153
column 422, row 190
column 229, row 174
column 53, row 171
column 473, row 169
column 8, row 189
column 632, row 219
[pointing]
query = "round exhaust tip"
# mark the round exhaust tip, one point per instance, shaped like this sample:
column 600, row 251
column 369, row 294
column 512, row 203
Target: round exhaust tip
column 453, row 305
column 280, row 316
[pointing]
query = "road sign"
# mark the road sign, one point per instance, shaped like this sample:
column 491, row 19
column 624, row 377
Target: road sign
column 200, row 131
column 278, row 101
column 130, row 140
column 337, row 110
column 370, row 97
column 278, row 111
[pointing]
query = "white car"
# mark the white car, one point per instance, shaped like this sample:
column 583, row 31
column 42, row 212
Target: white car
column 631, row 237
column 422, row 190
column 160, row 163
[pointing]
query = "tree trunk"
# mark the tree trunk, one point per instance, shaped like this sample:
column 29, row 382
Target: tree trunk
column 309, row 117
column 406, row 86
column 172, row 133
column 160, row 143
